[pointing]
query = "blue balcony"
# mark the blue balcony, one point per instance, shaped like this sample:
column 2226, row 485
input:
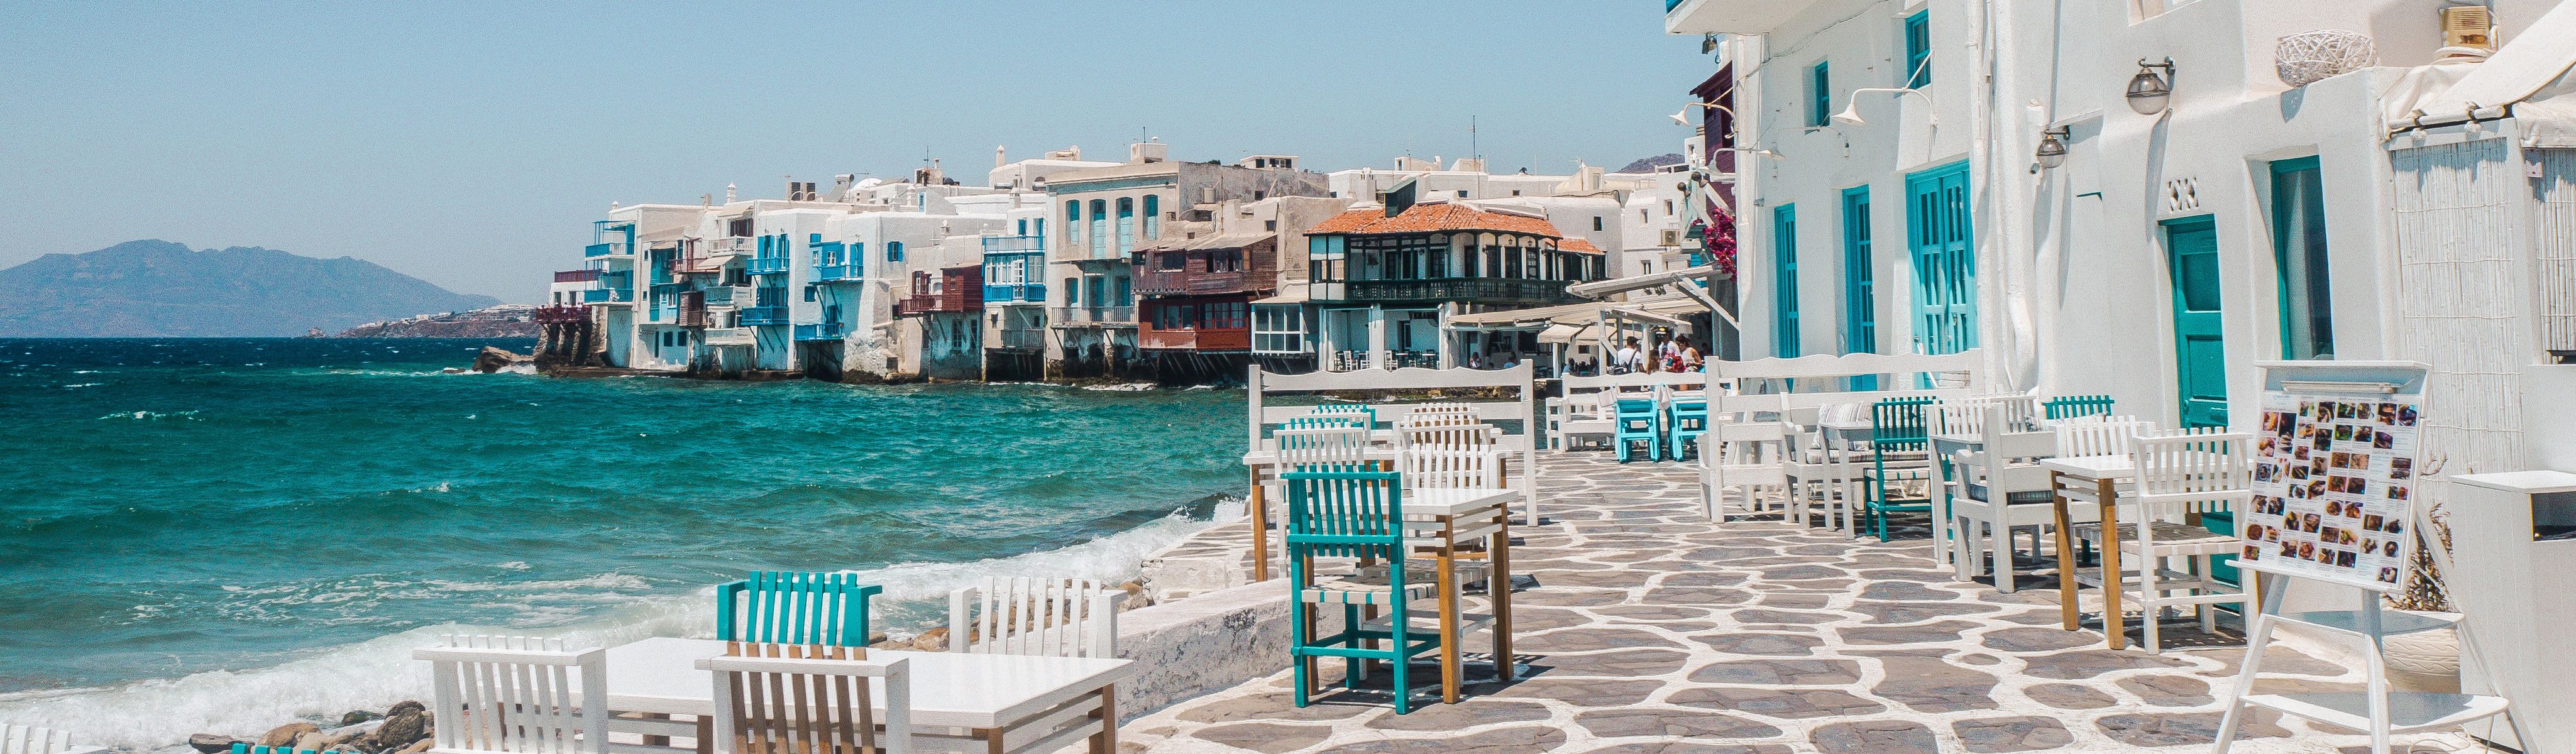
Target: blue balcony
column 824, row 331
column 609, row 249
column 765, row 266
column 764, row 316
column 836, row 273
column 607, row 296
column 1032, row 293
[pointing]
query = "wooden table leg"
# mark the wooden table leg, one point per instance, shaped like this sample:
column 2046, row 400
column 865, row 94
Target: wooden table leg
column 1448, row 581
column 656, row 740
column 1259, row 511
column 2066, row 563
column 706, row 734
column 1498, row 587
column 1106, row 741
column 2111, row 622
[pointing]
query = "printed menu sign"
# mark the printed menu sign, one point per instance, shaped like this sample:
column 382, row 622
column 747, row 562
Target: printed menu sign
column 2334, row 476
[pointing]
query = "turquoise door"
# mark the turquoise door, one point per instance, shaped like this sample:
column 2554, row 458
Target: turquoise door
column 1945, row 259
column 1860, row 288
column 2200, row 350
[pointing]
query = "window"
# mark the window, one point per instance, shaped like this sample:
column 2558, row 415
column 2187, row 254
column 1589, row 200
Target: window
column 1169, row 261
column 1860, row 287
column 1072, row 220
column 1269, row 225
column 1260, row 195
column 1126, row 224
column 1820, row 96
column 1040, row 233
column 1073, row 291
column 1126, row 292
column 1784, row 281
column 1462, row 193
column 1596, row 222
column 1279, row 329
column 809, row 292
column 1099, row 227
column 1153, row 216
column 1945, row 259
column 1024, row 226
column 894, row 251
column 1918, row 52
column 2299, row 248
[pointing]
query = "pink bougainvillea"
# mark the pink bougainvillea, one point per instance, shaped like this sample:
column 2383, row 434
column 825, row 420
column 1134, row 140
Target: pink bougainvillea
column 1717, row 239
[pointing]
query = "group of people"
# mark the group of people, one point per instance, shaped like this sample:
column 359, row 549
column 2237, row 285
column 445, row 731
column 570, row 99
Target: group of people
column 1669, row 355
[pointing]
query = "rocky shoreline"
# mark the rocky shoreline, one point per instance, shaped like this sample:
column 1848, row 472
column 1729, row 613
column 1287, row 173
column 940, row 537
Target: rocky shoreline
column 403, row 728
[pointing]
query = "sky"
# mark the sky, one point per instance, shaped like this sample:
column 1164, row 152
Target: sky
column 471, row 143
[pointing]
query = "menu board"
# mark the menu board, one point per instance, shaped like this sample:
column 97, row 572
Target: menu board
column 2334, row 482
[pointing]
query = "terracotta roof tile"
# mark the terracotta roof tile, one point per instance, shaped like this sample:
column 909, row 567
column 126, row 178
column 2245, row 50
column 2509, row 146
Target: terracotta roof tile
column 1432, row 217
column 1577, row 245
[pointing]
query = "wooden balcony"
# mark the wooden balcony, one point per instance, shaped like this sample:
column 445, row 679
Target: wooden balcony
column 1214, row 339
column 560, row 315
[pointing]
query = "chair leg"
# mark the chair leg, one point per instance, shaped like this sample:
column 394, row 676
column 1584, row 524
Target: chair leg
column 2209, row 610
column 2004, row 579
column 1298, row 661
column 1353, row 668
column 2150, row 601
column 1402, row 672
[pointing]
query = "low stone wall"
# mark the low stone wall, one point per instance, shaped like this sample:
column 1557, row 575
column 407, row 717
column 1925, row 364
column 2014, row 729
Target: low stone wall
column 1205, row 643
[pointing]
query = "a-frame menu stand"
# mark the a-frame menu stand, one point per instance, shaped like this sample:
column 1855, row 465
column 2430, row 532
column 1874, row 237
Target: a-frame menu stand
column 2292, row 390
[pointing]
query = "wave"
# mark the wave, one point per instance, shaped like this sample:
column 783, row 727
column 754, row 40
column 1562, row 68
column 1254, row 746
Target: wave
column 152, row 415
column 320, row 685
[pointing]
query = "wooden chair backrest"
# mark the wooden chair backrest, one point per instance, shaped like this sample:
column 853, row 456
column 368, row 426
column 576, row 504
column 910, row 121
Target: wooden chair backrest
column 2099, row 435
column 2194, row 466
column 1451, row 457
column 787, row 607
column 1338, row 447
column 517, row 694
column 29, row 739
column 1746, row 444
column 808, row 699
column 1346, row 514
column 1900, row 424
column 1031, row 616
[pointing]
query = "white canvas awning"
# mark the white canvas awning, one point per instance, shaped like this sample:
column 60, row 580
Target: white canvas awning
column 2526, row 79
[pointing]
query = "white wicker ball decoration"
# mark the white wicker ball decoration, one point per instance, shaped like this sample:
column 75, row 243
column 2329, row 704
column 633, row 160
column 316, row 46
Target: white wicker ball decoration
column 2311, row 56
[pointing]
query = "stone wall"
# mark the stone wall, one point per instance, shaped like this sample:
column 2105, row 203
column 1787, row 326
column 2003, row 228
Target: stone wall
column 1205, row 643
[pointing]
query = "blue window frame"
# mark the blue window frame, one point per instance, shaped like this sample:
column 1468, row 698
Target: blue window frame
column 1820, row 95
column 1860, row 287
column 894, row 251
column 1945, row 259
column 1072, row 220
column 1918, row 51
column 1153, row 216
column 1784, row 280
column 2299, row 251
column 1126, row 225
column 1099, row 228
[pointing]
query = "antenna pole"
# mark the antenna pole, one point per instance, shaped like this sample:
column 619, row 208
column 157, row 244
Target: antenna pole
column 1471, row 139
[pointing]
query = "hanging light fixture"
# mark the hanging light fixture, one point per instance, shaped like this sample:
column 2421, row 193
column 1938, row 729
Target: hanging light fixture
column 2052, row 148
column 2148, row 92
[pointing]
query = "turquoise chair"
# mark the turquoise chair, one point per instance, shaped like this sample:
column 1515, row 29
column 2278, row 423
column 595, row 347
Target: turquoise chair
column 1352, row 514
column 243, row 748
column 785, row 607
column 1366, row 416
column 2073, row 406
column 1898, row 431
column 1686, row 420
column 1634, row 422
column 1320, row 422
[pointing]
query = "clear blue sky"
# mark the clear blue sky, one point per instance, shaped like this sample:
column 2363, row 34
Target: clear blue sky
column 471, row 143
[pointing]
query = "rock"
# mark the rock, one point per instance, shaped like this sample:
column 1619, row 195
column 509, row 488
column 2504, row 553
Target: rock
column 285, row 735
column 312, row 741
column 933, row 640
column 339, row 738
column 494, row 359
column 211, row 743
column 357, row 716
column 405, row 723
column 418, row 747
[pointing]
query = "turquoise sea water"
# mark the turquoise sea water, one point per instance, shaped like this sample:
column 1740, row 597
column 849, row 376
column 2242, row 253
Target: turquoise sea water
column 215, row 535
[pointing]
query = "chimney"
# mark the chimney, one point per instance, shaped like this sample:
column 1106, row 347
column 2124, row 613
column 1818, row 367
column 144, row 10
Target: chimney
column 729, row 192
column 1147, row 152
column 998, row 158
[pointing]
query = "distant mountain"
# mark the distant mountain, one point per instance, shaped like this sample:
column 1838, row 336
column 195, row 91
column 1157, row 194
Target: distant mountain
column 504, row 321
column 1648, row 165
column 162, row 289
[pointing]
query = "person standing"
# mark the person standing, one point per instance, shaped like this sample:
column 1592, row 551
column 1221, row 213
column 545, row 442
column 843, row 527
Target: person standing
column 1668, row 354
column 1692, row 361
column 1624, row 360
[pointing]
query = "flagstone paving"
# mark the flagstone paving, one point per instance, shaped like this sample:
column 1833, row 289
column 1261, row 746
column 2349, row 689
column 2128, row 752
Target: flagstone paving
column 1645, row 629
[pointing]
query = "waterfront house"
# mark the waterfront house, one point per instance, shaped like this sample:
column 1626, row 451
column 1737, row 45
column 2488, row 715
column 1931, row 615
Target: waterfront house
column 1015, row 295
column 1105, row 213
column 1197, row 286
column 1384, row 278
column 940, row 319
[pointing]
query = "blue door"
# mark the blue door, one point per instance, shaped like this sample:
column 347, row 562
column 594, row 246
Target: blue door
column 1945, row 259
column 1860, row 288
column 2200, row 349
column 1784, row 281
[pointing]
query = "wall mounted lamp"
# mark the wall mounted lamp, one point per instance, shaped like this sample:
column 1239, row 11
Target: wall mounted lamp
column 1683, row 116
column 2052, row 148
column 2148, row 92
column 1851, row 109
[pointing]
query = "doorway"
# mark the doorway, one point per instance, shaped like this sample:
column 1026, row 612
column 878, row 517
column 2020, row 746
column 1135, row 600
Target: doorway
column 2200, row 349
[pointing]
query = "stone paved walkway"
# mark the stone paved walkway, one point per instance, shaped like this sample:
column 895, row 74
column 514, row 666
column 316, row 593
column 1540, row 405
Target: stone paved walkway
column 1649, row 630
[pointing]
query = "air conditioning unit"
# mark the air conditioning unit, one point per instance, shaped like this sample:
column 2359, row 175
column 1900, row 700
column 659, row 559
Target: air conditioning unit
column 1672, row 237
column 2468, row 26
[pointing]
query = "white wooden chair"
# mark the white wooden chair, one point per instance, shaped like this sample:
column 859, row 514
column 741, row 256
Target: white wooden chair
column 1031, row 616
column 28, row 739
column 1749, row 458
column 517, row 694
column 2179, row 475
column 2099, row 435
column 1812, row 478
column 1450, row 456
column 817, row 704
column 1515, row 410
column 2000, row 488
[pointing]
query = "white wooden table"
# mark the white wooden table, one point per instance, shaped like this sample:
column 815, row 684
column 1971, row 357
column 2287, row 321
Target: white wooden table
column 1454, row 517
column 1264, row 464
column 2104, row 473
column 960, row 701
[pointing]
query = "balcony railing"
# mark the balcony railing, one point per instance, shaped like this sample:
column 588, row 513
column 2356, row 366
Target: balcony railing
column 834, row 273
column 610, row 249
column 608, row 296
column 734, row 245
column 823, row 331
column 765, row 266
column 690, row 317
column 764, row 316
column 730, row 336
column 576, row 276
column 1352, row 361
column 560, row 315
column 1027, row 339
column 1030, row 293
column 994, row 244
column 1092, row 315
column 1195, row 282
column 728, row 295
column 1499, row 290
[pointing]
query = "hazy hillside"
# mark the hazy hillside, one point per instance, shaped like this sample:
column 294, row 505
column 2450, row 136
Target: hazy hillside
column 163, row 289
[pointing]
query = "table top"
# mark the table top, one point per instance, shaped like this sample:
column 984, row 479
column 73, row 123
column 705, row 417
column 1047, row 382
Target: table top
column 948, row 688
column 1270, row 456
column 2092, row 467
column 1451, row 502
column 1856, row 425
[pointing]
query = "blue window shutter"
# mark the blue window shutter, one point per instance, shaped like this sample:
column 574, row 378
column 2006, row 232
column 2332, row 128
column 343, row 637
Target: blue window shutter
column 1820, row 90
column 1784, row 292
column 1918, row 51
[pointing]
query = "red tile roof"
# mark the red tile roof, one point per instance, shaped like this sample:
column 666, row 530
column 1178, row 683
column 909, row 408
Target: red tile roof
column 1577, row 245
column 1432, row 217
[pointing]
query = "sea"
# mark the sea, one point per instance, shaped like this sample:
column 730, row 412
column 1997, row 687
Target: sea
column 222, row 535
